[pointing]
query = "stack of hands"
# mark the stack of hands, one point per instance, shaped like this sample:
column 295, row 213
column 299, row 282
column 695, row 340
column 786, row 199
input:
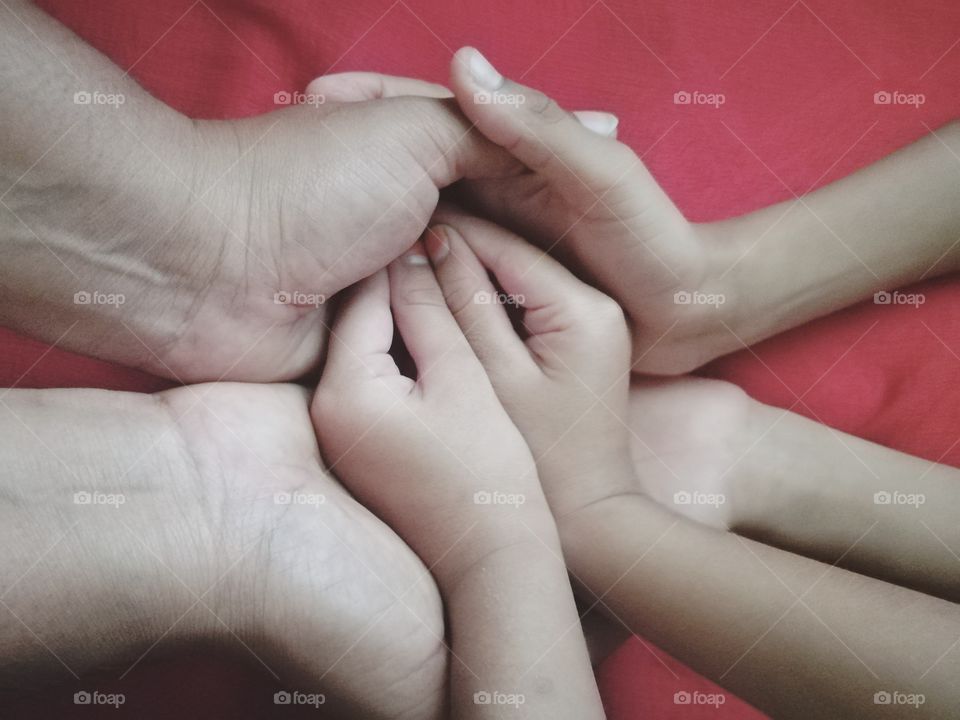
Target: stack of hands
column 403, row 538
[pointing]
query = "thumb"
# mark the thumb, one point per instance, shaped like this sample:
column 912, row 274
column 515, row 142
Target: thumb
column 441, row 140
column 576, row 153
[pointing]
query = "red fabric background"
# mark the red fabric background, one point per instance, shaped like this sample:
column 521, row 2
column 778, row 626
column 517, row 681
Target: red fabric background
column 799, row 79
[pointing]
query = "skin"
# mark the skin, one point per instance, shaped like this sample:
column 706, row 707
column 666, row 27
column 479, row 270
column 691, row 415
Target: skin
column 322, row 596
column 798, row 485
column 409, row 449
column 872, row 231
column 187, row 319
column 766, row 622
column 793, row 483
column 224, row 238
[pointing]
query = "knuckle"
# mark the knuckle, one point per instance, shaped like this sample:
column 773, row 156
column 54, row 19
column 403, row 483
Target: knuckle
column 600, row 316
column 623, row 162
column 423, row 297
column 460, row 295
column 545, row 108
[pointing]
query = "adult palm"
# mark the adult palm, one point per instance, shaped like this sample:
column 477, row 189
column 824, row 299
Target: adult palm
column 320, row 590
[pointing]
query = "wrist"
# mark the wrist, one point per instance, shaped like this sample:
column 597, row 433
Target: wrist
column 571, row 484
column 704, row 305
column 584, row 533
column 706, row 430
column 95, row 234
column 107, row 527
column 792, row 493
column 506, row 535
column 725, row 319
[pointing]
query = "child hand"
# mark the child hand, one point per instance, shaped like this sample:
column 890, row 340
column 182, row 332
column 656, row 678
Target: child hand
column 591, row 199
column 419, row 449
column 439, row 460
column 566, row 384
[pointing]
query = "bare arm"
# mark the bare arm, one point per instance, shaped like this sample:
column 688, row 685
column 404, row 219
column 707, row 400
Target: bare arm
column 89, row 490
column 693, row 292
column 824, row 494
column 888, row 225
column 795, row 637
column 787, row 481
column 200, row 250
column 94, row 176
column 792, row 635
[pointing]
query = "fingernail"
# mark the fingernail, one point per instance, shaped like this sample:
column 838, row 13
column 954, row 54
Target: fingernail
column 602, row 123
column 483, row 73
column 416, row 256
column 436, row 243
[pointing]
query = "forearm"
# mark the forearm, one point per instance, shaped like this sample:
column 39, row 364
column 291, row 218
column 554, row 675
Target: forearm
column 94, row 176
column 85, row 575
column 762, row 622
column 891, row 224
column 54, row 81
column 515, row 633
column 824, row 494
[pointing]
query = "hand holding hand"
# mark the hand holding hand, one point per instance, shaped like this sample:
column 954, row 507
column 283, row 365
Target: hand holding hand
column 440, row 460
column 200, row 249
column 565, row 381
column 418, row 452
column 589, row 199
column 564, row 378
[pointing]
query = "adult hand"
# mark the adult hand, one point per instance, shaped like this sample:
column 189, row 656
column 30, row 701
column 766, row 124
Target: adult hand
column 322, row 589
column 205, row 515
column 201, row 250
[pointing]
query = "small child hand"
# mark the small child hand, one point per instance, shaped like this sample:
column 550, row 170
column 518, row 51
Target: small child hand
column 566, row 384
column 416, row 450
column 440, row 461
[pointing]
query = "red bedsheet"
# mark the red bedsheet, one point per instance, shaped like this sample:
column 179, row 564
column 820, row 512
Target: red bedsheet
column 799, row 80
